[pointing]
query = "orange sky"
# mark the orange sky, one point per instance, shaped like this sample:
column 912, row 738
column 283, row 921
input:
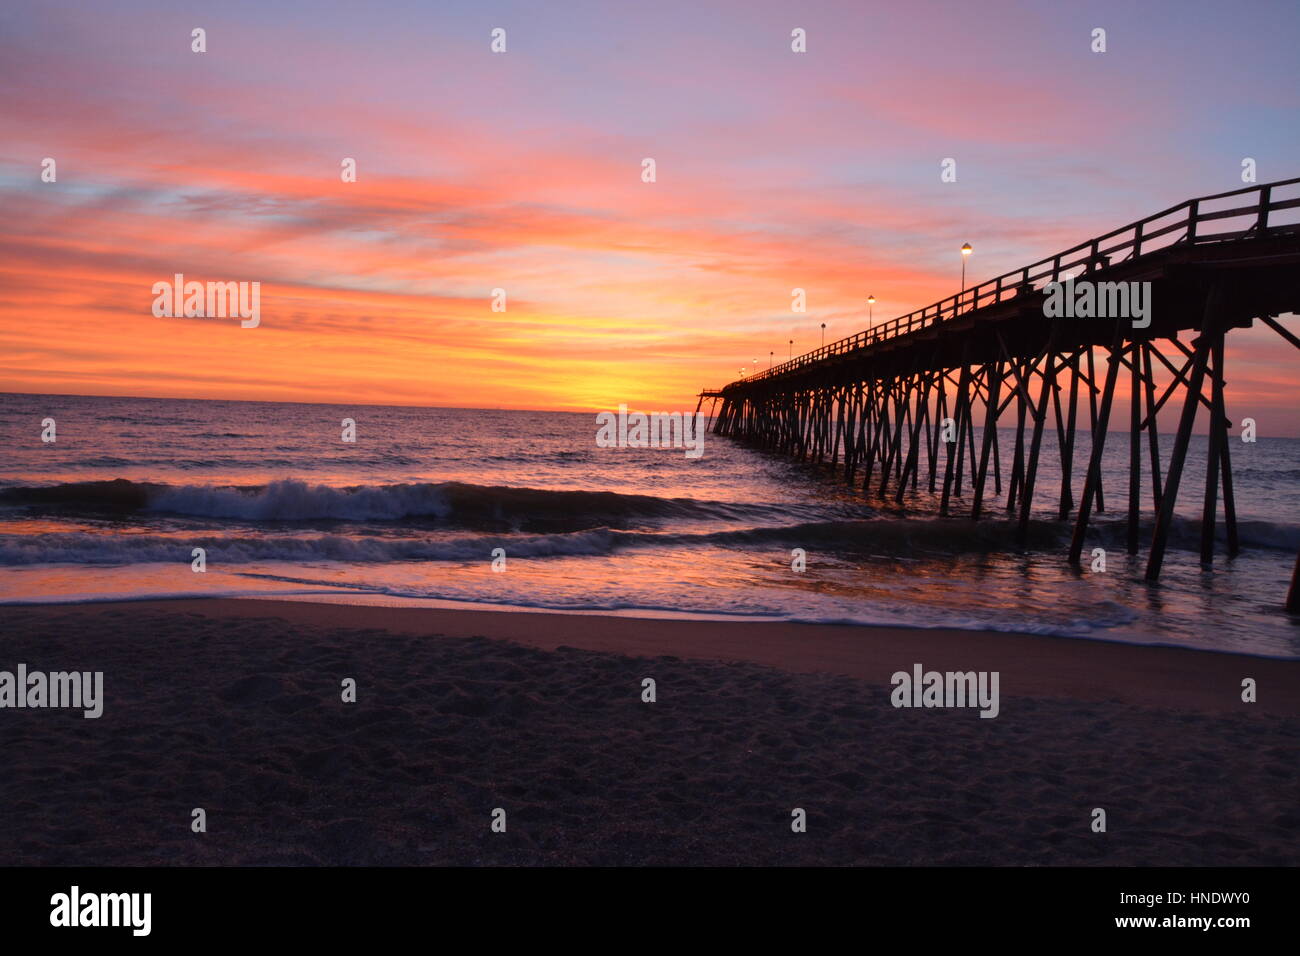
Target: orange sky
column 523, row 172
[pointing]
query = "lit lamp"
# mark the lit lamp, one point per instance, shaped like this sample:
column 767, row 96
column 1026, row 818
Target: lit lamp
column 871, row 301
column 966, row 250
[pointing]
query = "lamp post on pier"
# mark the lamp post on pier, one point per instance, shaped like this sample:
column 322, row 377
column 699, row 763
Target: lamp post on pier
column 966, row 250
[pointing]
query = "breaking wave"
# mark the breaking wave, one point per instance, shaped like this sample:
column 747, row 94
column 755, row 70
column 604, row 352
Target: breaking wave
column 454, row 503
column 898, row 537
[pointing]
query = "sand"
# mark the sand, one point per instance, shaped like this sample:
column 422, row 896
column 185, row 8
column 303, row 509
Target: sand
column 234, row 706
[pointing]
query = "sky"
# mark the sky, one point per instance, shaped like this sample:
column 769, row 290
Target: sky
column 523, row 171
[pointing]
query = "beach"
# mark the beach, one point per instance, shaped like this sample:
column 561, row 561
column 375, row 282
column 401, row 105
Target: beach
column 236, row 707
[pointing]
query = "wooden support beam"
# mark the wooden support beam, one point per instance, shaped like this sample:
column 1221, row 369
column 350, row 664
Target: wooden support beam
column 1067, row 456
column 1229, row 503
column 1165, row 517
column 966, row 429
column 1092, row 481
column 1153, row 431
column 955, row 446
column 914, row 447
column 1280, row 330
column 1031, row 470
column 1092, row 418
column 1180, row 376
column 1134, row 445
column 1214, row 453
column 887, row 467
column 1017, row 455
column 941, row 412
column 990, row 433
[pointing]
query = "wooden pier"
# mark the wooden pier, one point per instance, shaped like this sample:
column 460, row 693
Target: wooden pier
column 920, row 398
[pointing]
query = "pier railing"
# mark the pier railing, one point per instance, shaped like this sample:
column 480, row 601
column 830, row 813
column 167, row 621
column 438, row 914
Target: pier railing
column 1188, row 223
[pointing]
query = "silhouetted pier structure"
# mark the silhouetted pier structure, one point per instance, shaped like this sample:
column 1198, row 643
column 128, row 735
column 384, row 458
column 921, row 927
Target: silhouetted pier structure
column 875, row 404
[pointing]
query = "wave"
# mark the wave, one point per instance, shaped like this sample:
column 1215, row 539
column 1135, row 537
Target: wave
column 932, row 538
column 1185, row 534
column 453, row 503
column 99, row 549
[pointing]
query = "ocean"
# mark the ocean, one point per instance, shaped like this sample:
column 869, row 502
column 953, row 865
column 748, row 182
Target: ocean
column 522, row 510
